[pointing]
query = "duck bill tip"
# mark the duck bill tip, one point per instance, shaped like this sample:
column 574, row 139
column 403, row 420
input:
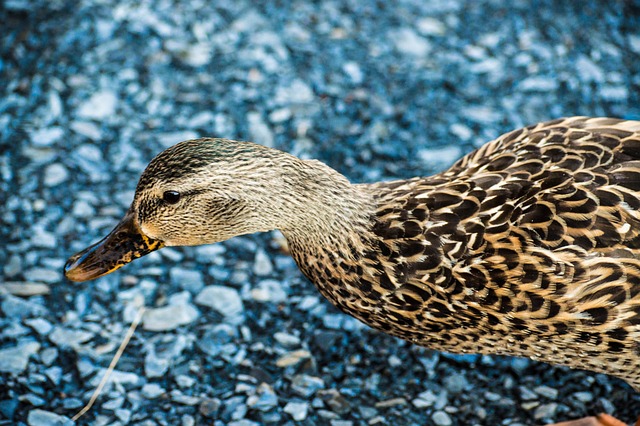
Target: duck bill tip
column 125, row 243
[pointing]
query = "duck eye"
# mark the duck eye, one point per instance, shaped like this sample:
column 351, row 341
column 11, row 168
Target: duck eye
column 171, row 197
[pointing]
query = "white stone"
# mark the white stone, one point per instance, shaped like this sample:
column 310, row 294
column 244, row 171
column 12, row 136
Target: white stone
column 488, row 65
column 169, row 317
column 583, row 396
column 293, row 358
column 280, row 115
column 431, row 26
column 491, row 40
column 475, row 52
column 39, row 155
column 297, row 410
column 202, row 119
column 63, row 337
column 154, row 365
column 408, row 42
column 55, row 174
column 15, row 360
column 40, row 325
column 538, row 84
column 268, row 291
column 187, row 279
column 39, row 417
column 19, row 307
column 87, row 129
column 439, row 158
column 353, row 70
column 170, row 139
column 198, row 54
column 224, row 300
column 55, row 104
column 441, row 418
column 286, row 339
column 99, row 106
column 634, row 42
column 298, row 92
column 152, row 390
column 614, row 93
column 180, row 398
column 481, row 114
column 13, row 266
column 113, row 404
column 261, row 264
column 305, row 385
column 90, row 153
column 43, row 238
column 83, row 209
column 123, row 414
column 117, row 377
column 259, row 129
column 394, row 361
column 185, row 381
column 43, row 274
column 172, row 254
column 425, row 399
column 223, row 125
column 588, row 70
column 210, row 253
column 24, row 288
column 545, row 411
column 46, row 136
column 249, row 21
column 546, row 391
column 54, row 374
column 461, row 131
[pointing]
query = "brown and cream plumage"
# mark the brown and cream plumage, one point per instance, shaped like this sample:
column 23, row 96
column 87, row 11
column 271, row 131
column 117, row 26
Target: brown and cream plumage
column 529, row 246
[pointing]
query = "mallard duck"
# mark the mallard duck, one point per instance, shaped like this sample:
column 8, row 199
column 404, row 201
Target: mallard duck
column 529, row 246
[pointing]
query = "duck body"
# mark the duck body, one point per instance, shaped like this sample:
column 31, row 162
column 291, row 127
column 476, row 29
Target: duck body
column 529, row 246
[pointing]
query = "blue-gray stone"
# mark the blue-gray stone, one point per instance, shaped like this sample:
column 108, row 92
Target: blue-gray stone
column 297, row 409
column 216, row 338
column 264, row 400
column 152, row 390
column 72, row 403
column 305, row 385
column 441, row 418
column 187, row 279
column 40, row 325
column 66, row 337
column 16, row 307
column 34, row 400
column 224, row 300
column 39, row 417
column 54, row 374
column 8, row 408
column 170, row 317
column 15, row 359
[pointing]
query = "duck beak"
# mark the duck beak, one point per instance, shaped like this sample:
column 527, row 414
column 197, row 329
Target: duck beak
column 125, row 243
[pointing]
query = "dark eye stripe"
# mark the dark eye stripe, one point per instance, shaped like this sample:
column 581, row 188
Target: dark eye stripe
column 171, row 197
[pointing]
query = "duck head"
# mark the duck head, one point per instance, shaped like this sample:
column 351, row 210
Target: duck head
column 197, row 192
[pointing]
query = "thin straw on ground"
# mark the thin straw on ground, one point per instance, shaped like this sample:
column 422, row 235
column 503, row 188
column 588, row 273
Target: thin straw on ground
column 112, row 365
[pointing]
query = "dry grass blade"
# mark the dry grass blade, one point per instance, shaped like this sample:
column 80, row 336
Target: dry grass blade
column 112, row 365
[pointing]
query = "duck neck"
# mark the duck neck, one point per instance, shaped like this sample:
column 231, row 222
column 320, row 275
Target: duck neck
column 327, row 224
column 321, row 207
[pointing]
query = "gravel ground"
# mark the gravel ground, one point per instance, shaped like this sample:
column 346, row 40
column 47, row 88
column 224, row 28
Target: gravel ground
column 234, row 335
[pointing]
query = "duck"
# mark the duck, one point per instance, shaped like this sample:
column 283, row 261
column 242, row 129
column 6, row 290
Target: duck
column 528, row 246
